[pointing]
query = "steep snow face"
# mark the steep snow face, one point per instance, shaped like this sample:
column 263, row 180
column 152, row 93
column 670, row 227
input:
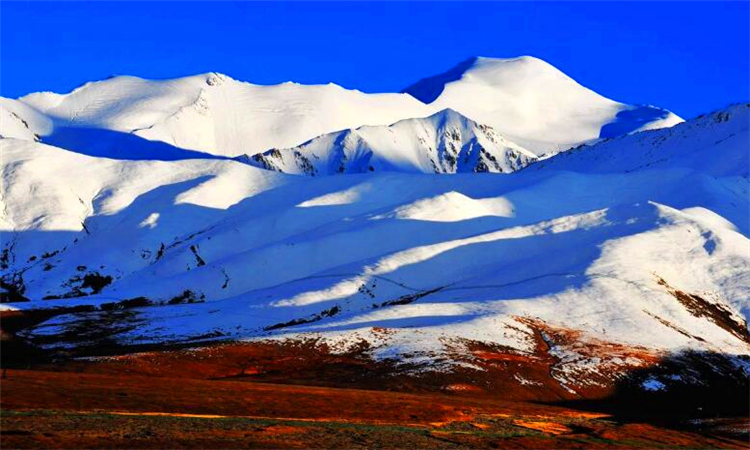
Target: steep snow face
column 534, row 104
column 445, row 142
column 652, row 255
column 213, row 113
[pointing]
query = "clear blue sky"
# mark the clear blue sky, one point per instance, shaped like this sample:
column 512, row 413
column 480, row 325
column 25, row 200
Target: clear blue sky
column 689, row 57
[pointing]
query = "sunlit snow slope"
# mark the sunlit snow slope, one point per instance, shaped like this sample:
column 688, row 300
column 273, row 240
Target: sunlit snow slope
column 534, row 104
column 445, row 142
column 524, row 99
column 212, row 113
column 640, row 240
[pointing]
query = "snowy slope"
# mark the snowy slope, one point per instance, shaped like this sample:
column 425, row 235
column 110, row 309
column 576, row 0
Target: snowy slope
column 524, row 99
column 20, row 121
column 55, row 201
column 654, row 255
column 445, row 142
column 213, row 113
column 708, row 143
column 534, row 104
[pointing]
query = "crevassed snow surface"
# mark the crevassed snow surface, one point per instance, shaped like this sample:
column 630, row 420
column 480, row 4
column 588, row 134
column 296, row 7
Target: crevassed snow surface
column 579, row 240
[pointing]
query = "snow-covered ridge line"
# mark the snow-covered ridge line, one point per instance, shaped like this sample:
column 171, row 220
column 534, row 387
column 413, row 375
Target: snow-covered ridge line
column 534, row 104
column 445, row 142
column 640, row 240
column 688, row 144
column 126, row 198
column 524, row 99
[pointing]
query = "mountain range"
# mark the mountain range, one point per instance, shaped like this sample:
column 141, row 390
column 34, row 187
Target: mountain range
column 498, row 203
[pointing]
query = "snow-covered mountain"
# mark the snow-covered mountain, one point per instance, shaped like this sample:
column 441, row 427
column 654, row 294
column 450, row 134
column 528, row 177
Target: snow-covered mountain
column 684, row 146
column 152, row 197
column 212, row 113
column 637, row 246
column 445, row 142
column 534, row 104
column 524, row 99
column 20, row 121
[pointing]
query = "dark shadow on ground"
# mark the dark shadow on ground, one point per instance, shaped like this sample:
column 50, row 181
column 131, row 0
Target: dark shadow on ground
column 629, row 120
column 683, row 390
column 119, row 145
column 427, row 90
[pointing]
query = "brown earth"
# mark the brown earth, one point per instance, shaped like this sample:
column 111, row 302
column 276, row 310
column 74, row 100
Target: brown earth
column 302, row 394
column 44, row 409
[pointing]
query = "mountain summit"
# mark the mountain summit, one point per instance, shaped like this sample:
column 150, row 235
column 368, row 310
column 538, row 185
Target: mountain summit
column 533, row 103
column 128, row 217
column 445, row 142
column 524, row 99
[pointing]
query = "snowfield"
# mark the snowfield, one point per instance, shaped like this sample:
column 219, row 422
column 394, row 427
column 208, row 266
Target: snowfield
column 639, row 239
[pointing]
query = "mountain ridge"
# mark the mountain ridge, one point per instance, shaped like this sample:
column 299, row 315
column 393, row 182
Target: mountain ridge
column 324, row 250
column 127, row 217
column 526, row 86
column 216, row 114
column 444, row 142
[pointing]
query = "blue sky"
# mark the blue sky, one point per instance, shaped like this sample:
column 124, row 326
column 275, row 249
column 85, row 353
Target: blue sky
column 689, row 57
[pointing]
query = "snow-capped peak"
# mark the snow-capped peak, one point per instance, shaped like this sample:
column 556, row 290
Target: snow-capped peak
column 445, row 142
column 478, row 68
column 216, row 114
column 525, row 99
column 534, row 103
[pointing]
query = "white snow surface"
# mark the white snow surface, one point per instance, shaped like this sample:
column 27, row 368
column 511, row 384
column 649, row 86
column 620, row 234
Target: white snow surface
column 445, row 142
column 578, row 240
column 213, row 113
column 526, row 100
column 158, row 190
column 534, row 104
column 17, row 120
